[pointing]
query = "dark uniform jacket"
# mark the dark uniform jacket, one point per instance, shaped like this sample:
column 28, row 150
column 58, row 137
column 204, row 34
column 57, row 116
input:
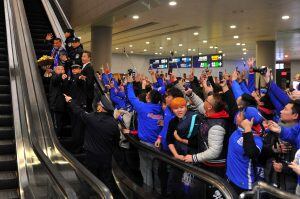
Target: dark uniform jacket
column 101, row 132
column 88, row 71
column 56, row 91
column 68, row 44
column 77, row 89
column 75, row 55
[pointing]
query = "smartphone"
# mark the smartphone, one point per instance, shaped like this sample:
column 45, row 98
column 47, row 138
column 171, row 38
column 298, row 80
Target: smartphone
column 208, row 83
column 220, row 75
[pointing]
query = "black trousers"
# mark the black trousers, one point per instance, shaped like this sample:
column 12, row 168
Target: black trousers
column 57, row 118
column 77, row 132
column 100, row 166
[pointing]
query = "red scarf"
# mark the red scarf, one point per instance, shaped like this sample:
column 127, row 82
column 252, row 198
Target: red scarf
column 221, row 114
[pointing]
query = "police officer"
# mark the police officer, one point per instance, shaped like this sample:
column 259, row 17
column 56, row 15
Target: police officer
column 88, row 72
column 101, row 137
column 69, row 35
column 56, row 98
column 76, row 88
column 76, row 51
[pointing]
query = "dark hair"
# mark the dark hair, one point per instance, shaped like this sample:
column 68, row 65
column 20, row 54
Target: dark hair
column 219, row 104
column 89, row 54
column 155, row 97
column 249, row 100
column 174, row 92
column 57, row 39
column 296, row 107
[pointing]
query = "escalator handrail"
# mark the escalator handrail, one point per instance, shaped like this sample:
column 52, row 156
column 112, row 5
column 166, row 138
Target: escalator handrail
column 24, row 55
column 215, row 180
column 64, row 17
column 263, row 186
column 93, row 181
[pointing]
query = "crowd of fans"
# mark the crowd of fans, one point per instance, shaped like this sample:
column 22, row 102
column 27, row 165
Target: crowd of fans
column 223, row 124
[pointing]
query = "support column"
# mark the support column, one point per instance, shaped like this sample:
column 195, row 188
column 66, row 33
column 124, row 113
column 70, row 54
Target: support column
column 101, row 46
column 265, row 56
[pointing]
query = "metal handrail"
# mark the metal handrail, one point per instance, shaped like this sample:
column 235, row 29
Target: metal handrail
column 25, row 59
column 263, row 186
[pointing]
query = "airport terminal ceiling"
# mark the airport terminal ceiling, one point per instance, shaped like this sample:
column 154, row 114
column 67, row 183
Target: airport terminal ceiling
column 191, row 27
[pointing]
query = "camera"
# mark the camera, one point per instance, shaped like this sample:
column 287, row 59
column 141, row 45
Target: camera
column 262, row 70
column 131, row 72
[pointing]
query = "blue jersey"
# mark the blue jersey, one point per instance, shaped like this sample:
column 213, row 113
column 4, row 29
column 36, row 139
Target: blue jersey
column 240, row 169
column 168, row 116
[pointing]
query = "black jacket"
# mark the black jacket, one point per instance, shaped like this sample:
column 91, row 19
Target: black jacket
column 88, row 71
column 77, row 89
column 75, row 55
column 68, row 44
column 101, row 131
column 56, row 91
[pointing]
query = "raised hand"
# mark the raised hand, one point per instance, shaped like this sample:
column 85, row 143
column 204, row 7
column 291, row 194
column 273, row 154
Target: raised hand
column 250, row 62
column 273, row 126
column 49, row 36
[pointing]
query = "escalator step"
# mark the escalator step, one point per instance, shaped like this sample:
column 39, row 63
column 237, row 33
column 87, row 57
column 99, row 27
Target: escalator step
column 6, row 133
column 8, row 180
column 6, row 120
column 7, row 147
column 8, row 162
column 4, row 71
column 4, row 89
column 9, row 194
column 3, row 64
column 3, row 57
column 5, row 109
column 5, row 98
column 4, row 80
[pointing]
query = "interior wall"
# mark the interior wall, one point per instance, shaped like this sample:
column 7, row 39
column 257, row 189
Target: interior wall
column 120, row 64
column 295, row 68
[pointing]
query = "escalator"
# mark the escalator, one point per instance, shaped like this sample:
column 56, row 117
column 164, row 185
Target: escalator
column 8, row 163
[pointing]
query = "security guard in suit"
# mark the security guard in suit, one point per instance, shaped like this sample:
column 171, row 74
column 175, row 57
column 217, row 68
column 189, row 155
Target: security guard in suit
column 88, row 72
column 76, row 51
column 101, row 138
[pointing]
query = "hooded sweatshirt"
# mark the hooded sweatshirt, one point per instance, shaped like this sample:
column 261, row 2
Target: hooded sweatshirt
column 148, row 117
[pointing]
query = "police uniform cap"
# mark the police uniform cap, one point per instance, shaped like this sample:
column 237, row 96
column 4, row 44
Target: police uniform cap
column 74, row 66
column 75, row 39
column 71, row 31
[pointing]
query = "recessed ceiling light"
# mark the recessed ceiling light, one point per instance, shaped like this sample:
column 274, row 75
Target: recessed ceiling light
column 131, row 51
column 135, row 17
column 211, row 47
column 205, row 41
column 196, row 33
column 160, row 53
column 172, row 3
column 179, row 44
column 244, row 49
column 147, row 42
column 286, row 56
column 161, row 47
column 245, row 53
column 130, row 46
column 145, row 50
column 243, row 44
column 175, row 52
column 242, row 58
column 156, row 53
column 189, row 49
column 238, row 44
column 117, row 48
column 233, row 26
column 216, row 47
column 168, row 38
column 224, row 54
column 183, row 55
column 200, row 53
column 235, row 37
column 220, row 51
column 194, row 50
column 285, row 17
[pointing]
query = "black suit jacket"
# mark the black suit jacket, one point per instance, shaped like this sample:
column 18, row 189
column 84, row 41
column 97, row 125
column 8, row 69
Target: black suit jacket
column 88, row 71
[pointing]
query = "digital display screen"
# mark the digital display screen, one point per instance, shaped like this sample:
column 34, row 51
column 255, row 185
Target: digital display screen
column 161, row 63
column 208, row 61
column 180, row 62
